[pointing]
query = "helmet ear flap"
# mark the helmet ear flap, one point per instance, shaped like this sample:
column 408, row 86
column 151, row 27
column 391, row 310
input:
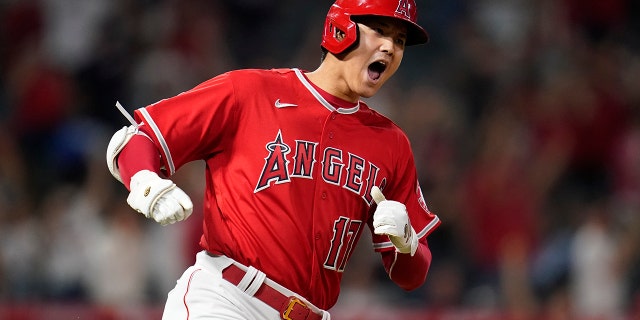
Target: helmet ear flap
column 339, row 34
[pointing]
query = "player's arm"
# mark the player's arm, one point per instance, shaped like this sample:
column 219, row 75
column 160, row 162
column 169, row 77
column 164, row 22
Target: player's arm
column 408, row 272
column 408, row 265
column 137, row 155
column 134, row 160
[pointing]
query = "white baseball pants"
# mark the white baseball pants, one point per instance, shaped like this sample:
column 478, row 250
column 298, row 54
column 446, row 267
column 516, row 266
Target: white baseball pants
column 201, row 293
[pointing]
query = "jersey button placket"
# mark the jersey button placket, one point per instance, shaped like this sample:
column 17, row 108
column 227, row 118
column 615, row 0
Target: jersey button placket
column 332, row 133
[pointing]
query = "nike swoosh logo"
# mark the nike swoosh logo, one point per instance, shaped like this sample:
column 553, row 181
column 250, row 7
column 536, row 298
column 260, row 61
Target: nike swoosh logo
column 279, row 104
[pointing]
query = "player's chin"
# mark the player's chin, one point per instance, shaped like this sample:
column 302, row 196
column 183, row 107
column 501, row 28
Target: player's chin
column 368, row 93
column 370, row 88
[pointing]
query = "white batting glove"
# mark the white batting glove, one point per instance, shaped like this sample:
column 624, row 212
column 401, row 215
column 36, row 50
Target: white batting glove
column 392, row 219
column 158, row 198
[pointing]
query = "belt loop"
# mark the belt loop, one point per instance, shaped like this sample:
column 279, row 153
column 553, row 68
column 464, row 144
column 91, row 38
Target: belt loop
column 257, row 282
column 248, row 278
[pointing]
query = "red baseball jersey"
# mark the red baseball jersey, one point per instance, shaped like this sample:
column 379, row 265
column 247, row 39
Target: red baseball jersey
column 288, row 174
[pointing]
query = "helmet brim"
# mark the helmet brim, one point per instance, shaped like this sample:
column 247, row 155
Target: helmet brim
column 415, row 34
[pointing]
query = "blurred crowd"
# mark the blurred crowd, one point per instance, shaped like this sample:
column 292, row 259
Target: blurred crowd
column 524, row 117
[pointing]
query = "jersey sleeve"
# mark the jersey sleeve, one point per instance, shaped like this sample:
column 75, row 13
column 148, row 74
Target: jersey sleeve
column 193, row 124
column 404, row 187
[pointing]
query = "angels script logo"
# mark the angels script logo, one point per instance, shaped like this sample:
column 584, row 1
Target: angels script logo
column 298, row 160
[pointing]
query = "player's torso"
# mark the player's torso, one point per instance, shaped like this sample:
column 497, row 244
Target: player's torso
column 288, row 175
column 298, row 172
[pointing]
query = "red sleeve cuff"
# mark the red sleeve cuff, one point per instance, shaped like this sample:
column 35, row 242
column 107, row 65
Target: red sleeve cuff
column 406, row 271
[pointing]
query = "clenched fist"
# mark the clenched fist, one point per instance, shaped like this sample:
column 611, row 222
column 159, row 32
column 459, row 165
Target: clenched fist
column 391, row 218
column 158, row 198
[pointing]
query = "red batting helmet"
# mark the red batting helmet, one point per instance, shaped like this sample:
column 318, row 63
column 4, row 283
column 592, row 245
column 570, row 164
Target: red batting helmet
column 340, row 13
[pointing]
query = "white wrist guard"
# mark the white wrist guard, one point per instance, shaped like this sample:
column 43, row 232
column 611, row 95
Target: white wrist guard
column 117, row 143
column 158, row 198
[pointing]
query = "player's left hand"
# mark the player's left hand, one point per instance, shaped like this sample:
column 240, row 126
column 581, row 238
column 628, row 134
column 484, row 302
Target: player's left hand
column 392, row 219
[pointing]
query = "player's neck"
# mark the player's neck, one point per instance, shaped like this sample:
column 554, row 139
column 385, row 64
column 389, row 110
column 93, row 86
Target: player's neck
column 335, row 101
column 329, row 77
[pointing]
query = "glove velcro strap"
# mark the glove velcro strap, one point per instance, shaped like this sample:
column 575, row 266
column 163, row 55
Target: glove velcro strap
column 408, row 244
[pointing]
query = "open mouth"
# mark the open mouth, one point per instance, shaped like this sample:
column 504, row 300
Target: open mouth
column 376, row 69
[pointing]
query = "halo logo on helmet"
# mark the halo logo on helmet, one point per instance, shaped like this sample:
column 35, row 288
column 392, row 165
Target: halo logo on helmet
column 340, row 32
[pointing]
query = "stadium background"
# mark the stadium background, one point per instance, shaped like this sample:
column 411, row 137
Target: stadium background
column 524, row 116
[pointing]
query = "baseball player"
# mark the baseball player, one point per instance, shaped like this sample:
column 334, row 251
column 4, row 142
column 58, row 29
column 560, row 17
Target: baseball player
column 297, row 167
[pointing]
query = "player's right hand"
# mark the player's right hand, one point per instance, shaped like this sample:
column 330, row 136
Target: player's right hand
column 158, row 198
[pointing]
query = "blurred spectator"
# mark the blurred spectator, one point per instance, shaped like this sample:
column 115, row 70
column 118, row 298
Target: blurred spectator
column 596, row 277
column 72, row 212
column 115, row 272
column 20, row 241
column 20, row 251
column 72, row 27
column 500, row 210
